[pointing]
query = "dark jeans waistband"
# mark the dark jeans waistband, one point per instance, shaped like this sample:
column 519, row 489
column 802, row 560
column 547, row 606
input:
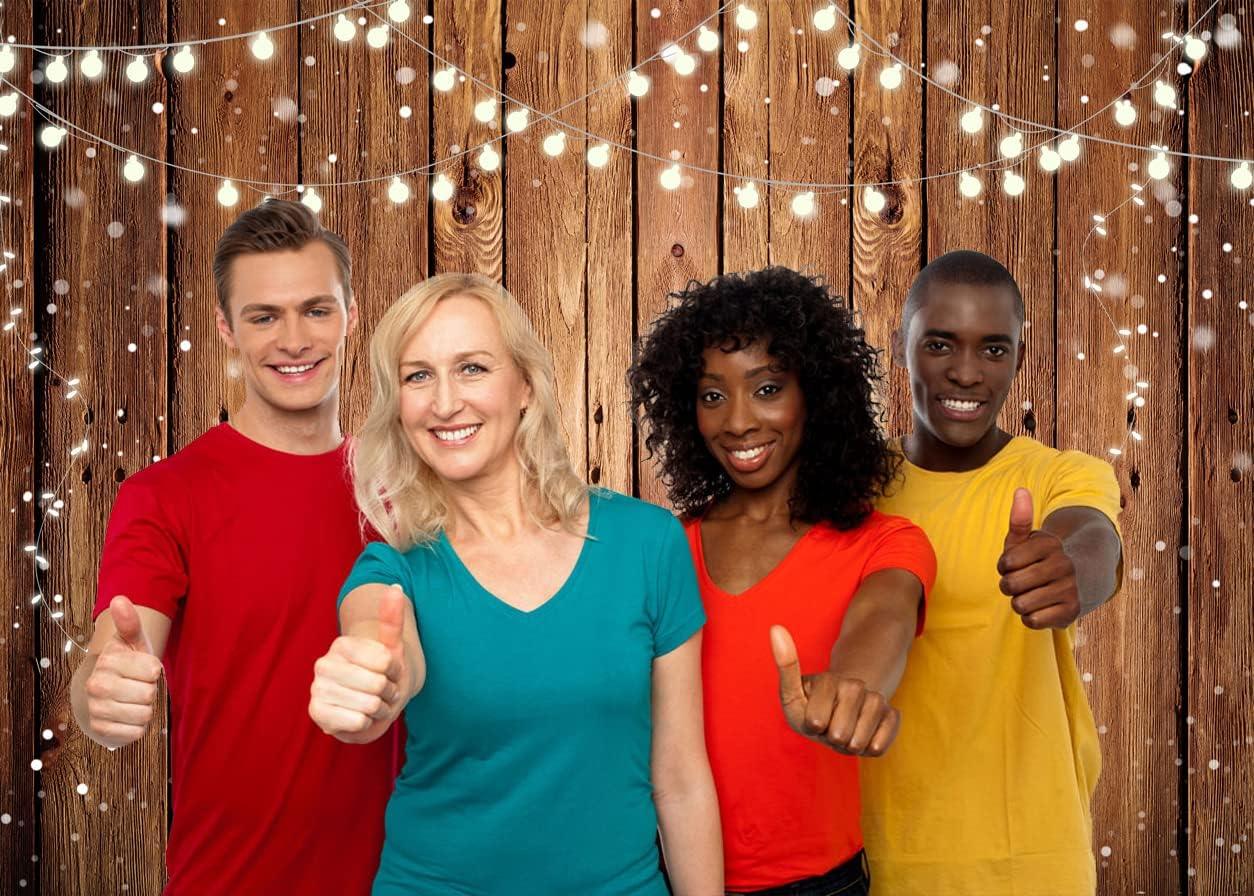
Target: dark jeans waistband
column 850, row 878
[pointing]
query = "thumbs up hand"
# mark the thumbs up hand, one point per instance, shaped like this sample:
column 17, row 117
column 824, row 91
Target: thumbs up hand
column 1036, row 572
column 840, row 713
column 123, row 684
column 363, row 683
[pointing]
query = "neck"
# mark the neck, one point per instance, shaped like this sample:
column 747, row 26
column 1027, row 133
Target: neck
column 761, row 505
column 492, row 507
column 313, row 431
column 924, row 450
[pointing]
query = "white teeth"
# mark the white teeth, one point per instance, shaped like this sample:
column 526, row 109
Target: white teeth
column 452, row 435
column 291, row 369
column 955, row 405
column 750, row 454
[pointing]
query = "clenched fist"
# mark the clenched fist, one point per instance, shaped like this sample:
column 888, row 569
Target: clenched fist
column 123, row 685
column 1036, row 573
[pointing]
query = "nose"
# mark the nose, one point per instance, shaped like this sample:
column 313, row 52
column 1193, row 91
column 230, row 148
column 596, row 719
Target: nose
column 447, row 399
column 293, row 336
column 740, row 419
column 965, row 370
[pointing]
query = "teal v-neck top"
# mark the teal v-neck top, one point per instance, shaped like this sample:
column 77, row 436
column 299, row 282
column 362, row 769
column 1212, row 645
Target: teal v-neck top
column 527, row 756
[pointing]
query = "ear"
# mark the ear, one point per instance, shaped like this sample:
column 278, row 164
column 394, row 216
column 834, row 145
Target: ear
column 225, row 332
column 352, row 314
column 1023, row 350
column 898, row 344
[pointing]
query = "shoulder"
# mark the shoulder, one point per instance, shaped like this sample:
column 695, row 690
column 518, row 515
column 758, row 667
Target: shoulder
column 1052, row 463
column 878, row 528
column 171, row 477
column 624, row 513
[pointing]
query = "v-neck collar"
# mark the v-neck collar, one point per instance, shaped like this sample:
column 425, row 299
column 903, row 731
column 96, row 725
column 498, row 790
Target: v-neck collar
column 772, row 573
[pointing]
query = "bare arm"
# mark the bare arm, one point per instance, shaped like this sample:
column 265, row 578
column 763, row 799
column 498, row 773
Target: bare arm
column 1090, row 540
column 683, row 788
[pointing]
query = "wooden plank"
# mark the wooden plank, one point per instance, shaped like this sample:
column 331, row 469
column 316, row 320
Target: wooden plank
column 887, row 146
column 1220, row 428
column 369, row 110
column 110, row 331
column 26, row 634
column 678, row 230
column 610, row 308
column 1017, row 231
column 809, row 142
column 747, row 135
column 467, row 230
column 1130, row 647
column 546, row 197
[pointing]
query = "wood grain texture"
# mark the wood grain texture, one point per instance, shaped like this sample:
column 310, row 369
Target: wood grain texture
column 746, row 134
column 109, row 330
column 1131, row 646
column 546, row 208
column 1219, row 422
column 26, row 633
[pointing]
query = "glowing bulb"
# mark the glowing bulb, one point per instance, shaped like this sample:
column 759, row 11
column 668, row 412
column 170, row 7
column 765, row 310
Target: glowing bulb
column 442, row 189
column 890, row 78
column 1194, row 48
column 133, row 170
column 1159, row 168
column 873, row 200
column 599, row 155
column 184, row 61
column 746, row 18
column 262, row 46
column 137, row 71
column 91, row 65
column 707, row 40
column 972, row 121
column 518, row 119
column 1164, row 95
column 637, row 84
column 7, row 59
column 1069, row 148
column 398, row 190
column 555, row 144
column 685, row 64
column 445, row 79
column 1013, row 184
column 849, row 57
column 671, row 178
column 311, row 200
column 969, row 185
column 344, row 29
column 8, row 104
column 56, row 70
column 825, row 18
column 1125, row 112
column 1050, row 159
column 1011, row 146
column 377, row 36
column 747, row 195
column 227, row 194
column 803, row 205
column 1241, row 177
column 398, row 11
column 489, row 159
column 51, row 136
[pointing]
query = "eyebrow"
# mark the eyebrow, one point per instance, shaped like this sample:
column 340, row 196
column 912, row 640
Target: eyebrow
column 992, row 337
column 749, row 374
column 460, row 356
column 254, row 307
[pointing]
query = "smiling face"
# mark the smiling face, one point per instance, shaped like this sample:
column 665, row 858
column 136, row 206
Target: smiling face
column 287, row 317
column 751, row 414
column 461, row 393
column 962, row 350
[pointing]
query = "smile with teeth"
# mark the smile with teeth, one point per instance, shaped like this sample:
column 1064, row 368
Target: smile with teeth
column 956, row 405
column 291, row 369
column 748, row 453
column 456, row 435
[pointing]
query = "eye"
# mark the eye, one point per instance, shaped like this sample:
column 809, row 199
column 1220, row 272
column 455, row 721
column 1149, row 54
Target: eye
column 934, row 345
column 319, row 312
column 261, row 319
column 709, row 396
column 997, row 351
column 472, row 369
column 417, row 376
column 766, row 390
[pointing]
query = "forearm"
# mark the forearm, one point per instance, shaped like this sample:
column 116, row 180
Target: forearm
column 1096, row 552
column 872, row 647
column 692, row 841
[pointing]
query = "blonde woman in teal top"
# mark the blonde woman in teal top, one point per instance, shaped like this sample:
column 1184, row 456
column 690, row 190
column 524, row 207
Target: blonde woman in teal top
column 541, row 638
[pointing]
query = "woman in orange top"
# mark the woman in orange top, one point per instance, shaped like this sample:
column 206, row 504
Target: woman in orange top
column 757, row 391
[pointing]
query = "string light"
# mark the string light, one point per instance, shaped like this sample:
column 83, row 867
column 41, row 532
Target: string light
column 1164, row 94
column 137, row 71
column 825, row 18
column 803, row 205
column 57, row 71
column 890, row 77
column 8, row 105
column 1050, row 159
column 1069, row 148
column 310, row 199
column 637, row 84
column 51, row 136
column 685, row 64
column 91, row 65
column 1241, row 177
column 227, row 194
column 1013, row 183
column 344, row 29
column 441, row 190
column 747, row 194
column 445, row 79
column 972, row 121
column 969, row 185
column 1159, row 168
column 262, row 46
column 398, row 190
column 849, row 57
column 746, row 18
column 671, row 178
column 133, row 170
column 1011, row 146
column 377, row 37
column 485, row 110
column 518, row 119
column 1194, row 48
column 489, row 159
column 599, row 155
column 8, row 59
column 873, row 200
column 399, row 11
column 555, row 144
column 1125, row 112
column 707, row 40
column 184, row 61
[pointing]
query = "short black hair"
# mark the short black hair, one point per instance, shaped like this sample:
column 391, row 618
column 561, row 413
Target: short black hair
column 844, row 460
column 964, row 266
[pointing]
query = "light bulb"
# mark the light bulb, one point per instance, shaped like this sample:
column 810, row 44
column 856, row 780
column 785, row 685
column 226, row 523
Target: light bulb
column 262, row 46
column 969, row 185
column 637, row 84
column 311, row 200
column 398, row 11
column 707, row 40
column 7, row 59
column 685, row 64
column 1241, row 177
column 873, row 200
column 377, row 37
column 489, row 159
column 518, row 119
column 8, row 105
column 445, row 79
column 1164, row 94
column 1159, row 168
column 91, row 65
column 1013, row 184
column 972, row 121
column 1069, row 148
column 599, row 155
column 137, row 70
column 184, row 61
column 747, row 195
column 825, row 18
column 398, row 190
column 442, row 189
column 890, row 77
column 133, row 170
column 485, row 110
column 1050, row 159
column 1011, row 146
column 51, row 136
column 344, row 29
column 746, row 18
column 57, row 71
column 671, row 177
column 227, row 194
column 1125, row 112
column 555, row 144
column 1194, row 48
column 849, row 57
column 803, row 205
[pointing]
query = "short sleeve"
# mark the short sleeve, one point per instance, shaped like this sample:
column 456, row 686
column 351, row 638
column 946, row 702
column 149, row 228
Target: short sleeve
column 378, row 564
column 1077, row 479
column 675, row 609
column 144, row 556
column 903, row 545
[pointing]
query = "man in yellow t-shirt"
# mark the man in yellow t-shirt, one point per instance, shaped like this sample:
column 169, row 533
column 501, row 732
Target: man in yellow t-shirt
column 986, row 791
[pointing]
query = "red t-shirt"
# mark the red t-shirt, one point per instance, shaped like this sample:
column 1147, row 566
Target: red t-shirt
column 245, row 548
column 789, row 806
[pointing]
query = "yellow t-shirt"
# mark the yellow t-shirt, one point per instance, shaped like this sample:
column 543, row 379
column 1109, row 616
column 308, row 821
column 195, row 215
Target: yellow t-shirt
column 986, row 790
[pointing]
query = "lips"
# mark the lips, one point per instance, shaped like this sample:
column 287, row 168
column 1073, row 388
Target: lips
column 748, row 458
column 296, row 373
column 455, row 435
column 961, row 409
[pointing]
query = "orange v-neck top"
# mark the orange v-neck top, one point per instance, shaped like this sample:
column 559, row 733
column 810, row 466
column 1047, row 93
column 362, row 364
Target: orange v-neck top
column 790, row 807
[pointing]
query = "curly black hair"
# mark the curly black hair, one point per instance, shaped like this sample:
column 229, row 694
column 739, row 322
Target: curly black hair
column 845, row 461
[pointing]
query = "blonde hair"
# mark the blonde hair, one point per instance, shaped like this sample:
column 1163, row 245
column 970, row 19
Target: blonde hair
column 398, row 494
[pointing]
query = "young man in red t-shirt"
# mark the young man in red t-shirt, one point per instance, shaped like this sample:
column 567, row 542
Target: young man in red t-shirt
column 221, row 564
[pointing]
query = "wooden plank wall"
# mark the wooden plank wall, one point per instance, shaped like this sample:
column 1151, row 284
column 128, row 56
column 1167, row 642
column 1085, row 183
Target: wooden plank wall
column 99, row 264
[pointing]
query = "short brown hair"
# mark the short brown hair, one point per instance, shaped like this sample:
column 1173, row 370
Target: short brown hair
column 273, row 226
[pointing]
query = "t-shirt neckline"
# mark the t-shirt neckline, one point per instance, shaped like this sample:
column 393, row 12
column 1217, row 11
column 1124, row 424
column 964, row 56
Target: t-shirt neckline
column 274, row 454
column 1008, row 450
column 704, row 572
